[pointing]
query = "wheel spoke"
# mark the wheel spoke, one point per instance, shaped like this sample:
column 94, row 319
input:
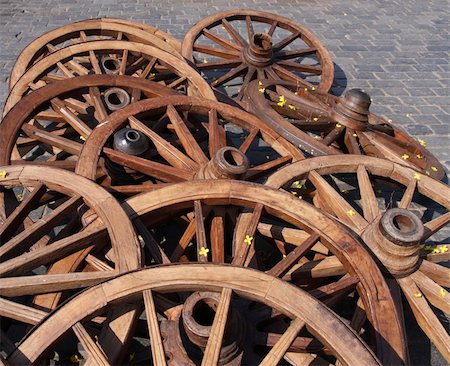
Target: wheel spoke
column 368, row 199
column 216, row 51
column 29, row 203
column 217, row 137
column 218, row 236
column 30, row 235
column 158, row 355
column 200, row 234
column 286, row 55
column 283, row 73
column 285, row 41
column 408, row 195
column 123, row 63
column 22, row 313
column 327, row 267
column 160, row 171
column 188, row 141
column 230, row 75
column 40, row 284
column 340, row 206
column 56, row 250
column 433, row 226
column 169, row 152
column 233, row 33
column 435, row 294
column 96, row 356
column 213, row 347
column 219, row 40
column 248, row 140
column 438, row 273
column 425, row 317
column 290, row 65
column 262, row 169
column 62, row 143
column 272, row 28
column 282, row 267
column 77, row 124
column 250, row 30
column 214, row 65
column 98, row 104
column 278, row 351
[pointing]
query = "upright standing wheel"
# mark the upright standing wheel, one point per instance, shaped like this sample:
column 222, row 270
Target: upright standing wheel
column 233, row 47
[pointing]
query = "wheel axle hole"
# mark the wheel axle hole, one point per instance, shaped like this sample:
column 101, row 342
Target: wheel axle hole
column 262, row 40
column 403, row 223
column 132, row 136
column 203, row 312
column 111, row 64
column 115, row 98
column 233, row 158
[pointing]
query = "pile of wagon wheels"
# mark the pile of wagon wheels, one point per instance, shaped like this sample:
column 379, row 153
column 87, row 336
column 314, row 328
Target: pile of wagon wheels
column 208, row 202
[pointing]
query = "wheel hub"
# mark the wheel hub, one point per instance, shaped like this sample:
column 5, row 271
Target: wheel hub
column 259, row 52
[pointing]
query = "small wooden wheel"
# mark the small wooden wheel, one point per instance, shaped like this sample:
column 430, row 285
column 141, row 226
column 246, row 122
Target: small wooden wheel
column 246, row 224
column 195, row 308
column 171, row 139
column 322, row 124
column 88, row 30
column 400, row 217
column 256, row 45
column 50, row 125
column 42, row 232
column 112, row 58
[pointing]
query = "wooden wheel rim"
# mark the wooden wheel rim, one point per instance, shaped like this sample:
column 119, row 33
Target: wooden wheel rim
column 90, row 155
column 137, row 32
column 256, row 285
column 327, row 68
column 368, row 140
column 180, row 67
column 426, row 281
column 21, row 113
column 345, row 246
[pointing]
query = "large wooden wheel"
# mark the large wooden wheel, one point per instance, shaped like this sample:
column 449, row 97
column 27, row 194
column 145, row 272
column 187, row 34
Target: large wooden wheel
column 198, row 291
column 179, row 138
column 322, row 124
column 249, row 225
column 110, row 57
column 47, row 247
column 399, row 213
column 50, row 125
column 233, row 47
column 88, row 30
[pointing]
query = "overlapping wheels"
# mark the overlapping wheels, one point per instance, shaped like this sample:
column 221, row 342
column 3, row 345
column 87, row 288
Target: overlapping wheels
column 186, row 321
column 233, row 47
column 50, row 125
column 47, row 249
column 112, row 58
column 322, row 124
column 246, row 224
column 176, row 138
column 401, row 215
column 89, row 30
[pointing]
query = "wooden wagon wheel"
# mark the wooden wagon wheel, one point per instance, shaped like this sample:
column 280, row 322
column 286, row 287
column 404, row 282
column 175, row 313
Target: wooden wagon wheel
column 88, row 30
column 171, row 139
column 199, row 290
column 50, row 125
column 117, row 57
column 233, row 47
column 250, row 225
column 41, row 230
column 395, row 216
column 323, row 124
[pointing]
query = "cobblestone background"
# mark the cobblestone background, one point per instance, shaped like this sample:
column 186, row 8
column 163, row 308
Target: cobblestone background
column 398, row 50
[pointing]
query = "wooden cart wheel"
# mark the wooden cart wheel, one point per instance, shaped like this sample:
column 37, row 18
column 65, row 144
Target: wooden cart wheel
column 198, row 291
column 41, row 231
column 88, row 30
column 322, row 124
column 399, row 213
column 171, row 139
column 233, row 47
column 112, row 58
column 50, row 125
column 250, row 225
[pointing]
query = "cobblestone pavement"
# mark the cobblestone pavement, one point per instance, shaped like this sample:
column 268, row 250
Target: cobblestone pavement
column 398, row 50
